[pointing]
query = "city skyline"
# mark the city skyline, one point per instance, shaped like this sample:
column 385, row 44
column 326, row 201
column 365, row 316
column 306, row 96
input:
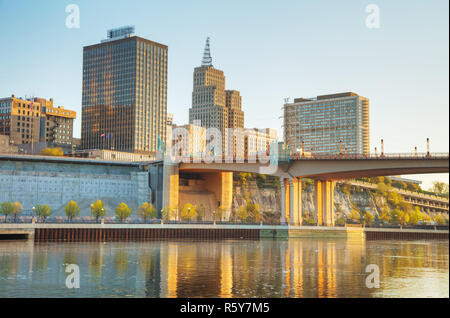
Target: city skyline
column 401, row 67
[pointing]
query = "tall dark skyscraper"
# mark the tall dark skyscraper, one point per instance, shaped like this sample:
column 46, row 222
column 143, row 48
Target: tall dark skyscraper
column 124, row 103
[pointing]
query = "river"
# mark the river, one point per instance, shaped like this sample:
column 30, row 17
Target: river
column 235, row 268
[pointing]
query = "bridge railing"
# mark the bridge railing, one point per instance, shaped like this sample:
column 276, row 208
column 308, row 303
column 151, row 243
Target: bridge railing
column 312, row 156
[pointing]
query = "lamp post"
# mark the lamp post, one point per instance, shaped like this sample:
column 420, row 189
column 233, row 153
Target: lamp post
column 33, row 220
column 214, row 215
column 189, row 214
column 102, row 221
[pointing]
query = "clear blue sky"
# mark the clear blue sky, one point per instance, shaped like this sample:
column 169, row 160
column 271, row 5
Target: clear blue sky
column 268, row 50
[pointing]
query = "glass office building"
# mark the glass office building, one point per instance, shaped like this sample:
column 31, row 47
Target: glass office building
column 328, row 124
column 124, row 102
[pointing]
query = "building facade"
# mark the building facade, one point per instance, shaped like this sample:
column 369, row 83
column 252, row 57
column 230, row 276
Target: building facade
column 328, row 124
column 212, row 105
column 188, row 140
column 36, row 121
column 259, row 141
column 124, row 103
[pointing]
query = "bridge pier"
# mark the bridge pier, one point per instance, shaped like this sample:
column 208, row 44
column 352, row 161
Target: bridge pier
column 324, row 202
column 291, row 201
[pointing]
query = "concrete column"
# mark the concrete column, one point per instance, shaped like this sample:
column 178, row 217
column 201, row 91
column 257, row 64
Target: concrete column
column 331, row 199
column 324, row 201
column 292, row 201
column 170, row 186
column 318, row 202
column 295, row 201
column 299, row 208
column 283, row 200
column 287, row 200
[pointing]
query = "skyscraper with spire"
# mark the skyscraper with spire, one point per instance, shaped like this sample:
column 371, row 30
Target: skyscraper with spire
column 212, row 105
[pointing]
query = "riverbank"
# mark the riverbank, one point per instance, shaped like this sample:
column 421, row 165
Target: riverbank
column 43, row 232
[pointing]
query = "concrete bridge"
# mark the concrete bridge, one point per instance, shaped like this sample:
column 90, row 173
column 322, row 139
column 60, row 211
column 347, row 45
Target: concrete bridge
column 55, row 181
column 323, row 169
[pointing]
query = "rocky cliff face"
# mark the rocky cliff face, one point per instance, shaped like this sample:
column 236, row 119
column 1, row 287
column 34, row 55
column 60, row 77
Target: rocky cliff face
column 269, row 199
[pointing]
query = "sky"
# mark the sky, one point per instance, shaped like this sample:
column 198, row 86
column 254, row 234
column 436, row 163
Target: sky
column 269, row 50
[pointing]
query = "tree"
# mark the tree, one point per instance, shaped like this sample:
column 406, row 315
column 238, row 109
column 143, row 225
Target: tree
column 6, row 208
column 167, row 213
column 189, row 212
column 368, row 218
column 385, row 216
column 220, row 213
column 58, row 151
column 379, row 179
column 355, row 216
column 17, row 210
column 72, row 209
column 399, row 217
column 98, row 209
column 43, row 211
column 439, row 219
column 147, row 211
column 394, row 198
column 382, row 189
column 200, row 212
column 244, row 177
column 399, row 184
column 242, row 213
column 440, row 188
column 123, row 212
column 413, row 187
column 340, row 220
column 426, row 217
column 416, row 216
column 254, row 212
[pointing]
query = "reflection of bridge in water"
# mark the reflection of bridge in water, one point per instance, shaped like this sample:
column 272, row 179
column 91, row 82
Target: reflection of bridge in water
column 323, row 169
column 268, row 268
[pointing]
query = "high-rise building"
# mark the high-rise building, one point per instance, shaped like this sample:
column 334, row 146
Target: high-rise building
column 188, row 140
column 169, row 126
column 124, row 103
column 328, row 124
column 36, row 120
column 258, row 141
column 212, row 105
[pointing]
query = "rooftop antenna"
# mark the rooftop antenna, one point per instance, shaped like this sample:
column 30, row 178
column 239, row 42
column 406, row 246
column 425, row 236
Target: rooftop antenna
column 207, row 60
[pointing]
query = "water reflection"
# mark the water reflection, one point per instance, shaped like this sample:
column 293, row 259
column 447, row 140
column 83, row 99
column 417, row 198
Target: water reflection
column 267, row 268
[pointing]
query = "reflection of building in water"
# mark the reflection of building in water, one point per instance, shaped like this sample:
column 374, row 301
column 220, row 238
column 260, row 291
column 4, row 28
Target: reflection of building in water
column 169, row 276
column 226, row 271
column 96, row 261
column 311, row 267
column 152, row 265
column 185, row 274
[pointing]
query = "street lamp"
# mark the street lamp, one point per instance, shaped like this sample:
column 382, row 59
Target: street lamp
column 214, row 215
column 33, row 219
column 189, row 214
column 103, row 216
